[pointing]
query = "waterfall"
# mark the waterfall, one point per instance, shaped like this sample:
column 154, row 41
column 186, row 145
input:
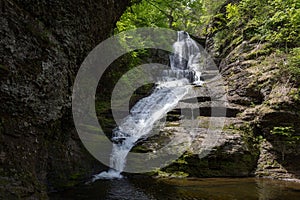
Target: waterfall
column 186, row 47
column 145, row 113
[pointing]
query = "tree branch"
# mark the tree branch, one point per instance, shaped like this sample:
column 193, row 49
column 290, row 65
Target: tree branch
column 169, row 16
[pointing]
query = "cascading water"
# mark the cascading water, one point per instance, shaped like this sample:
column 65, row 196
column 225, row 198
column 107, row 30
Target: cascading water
column 186, row 47
column 169, row 91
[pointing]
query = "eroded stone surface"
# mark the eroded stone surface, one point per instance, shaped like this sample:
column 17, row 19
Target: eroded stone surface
column 42, row 46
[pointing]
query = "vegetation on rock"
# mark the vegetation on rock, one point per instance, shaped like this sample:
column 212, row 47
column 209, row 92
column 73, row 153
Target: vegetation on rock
column 256, row 45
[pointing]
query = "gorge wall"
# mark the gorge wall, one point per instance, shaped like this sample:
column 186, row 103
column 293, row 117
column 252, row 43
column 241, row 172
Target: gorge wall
column 261, row 132
column 42, row 46
column 257, row 81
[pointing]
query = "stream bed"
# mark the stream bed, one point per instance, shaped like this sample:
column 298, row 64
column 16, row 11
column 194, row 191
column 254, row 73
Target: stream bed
column 146, row 188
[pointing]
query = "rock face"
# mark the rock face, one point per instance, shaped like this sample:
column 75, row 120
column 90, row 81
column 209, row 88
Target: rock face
column 268, row 114
column 252, row 72
column 261, row 132
column 221, row 143
column 42, row 46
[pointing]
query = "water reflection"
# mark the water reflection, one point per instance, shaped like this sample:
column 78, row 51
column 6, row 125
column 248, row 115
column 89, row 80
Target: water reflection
column 273, row 189
column 144, row 188
column 123, row 189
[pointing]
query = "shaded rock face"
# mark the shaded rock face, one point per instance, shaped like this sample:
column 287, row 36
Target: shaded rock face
column 251, row 70
column 42, row 46
column 267, row 97
column 231, row 157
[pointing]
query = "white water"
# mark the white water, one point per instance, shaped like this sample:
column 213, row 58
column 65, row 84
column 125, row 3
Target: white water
column 170, row 90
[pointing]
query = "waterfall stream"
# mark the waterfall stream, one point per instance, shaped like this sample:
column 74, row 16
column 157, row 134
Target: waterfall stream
column 146, row 112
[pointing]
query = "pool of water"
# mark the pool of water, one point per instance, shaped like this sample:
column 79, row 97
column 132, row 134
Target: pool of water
column 145, row 188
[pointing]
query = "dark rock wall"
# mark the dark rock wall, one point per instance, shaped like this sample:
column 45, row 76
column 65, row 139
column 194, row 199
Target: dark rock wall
column 43, row 43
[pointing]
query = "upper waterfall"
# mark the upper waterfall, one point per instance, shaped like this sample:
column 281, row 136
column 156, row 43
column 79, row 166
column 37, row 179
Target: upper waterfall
column 186, row 57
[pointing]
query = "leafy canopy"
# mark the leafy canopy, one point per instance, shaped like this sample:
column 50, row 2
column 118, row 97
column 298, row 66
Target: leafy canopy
column 175, row 14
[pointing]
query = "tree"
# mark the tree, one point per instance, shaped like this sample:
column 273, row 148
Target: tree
column 174, row 14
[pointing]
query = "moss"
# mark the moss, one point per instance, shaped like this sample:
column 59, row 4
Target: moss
column 258, row 53
column 255, row 39
column 237, row 40
column 61, row 182
column 220, row 164
column 102, row 105
column 68, row 177
column 179, row 174
column 234, row 42
column 3, row 67
column 295, row 94
column 172, row 124
column 75, row 176
column 140, row 149
column 229, row 127
column 164, row 174
column 65, row 184
column 42, row 34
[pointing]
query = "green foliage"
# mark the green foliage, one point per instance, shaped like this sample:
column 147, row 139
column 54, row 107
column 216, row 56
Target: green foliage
column 212, row 6
column 286, row 138
column 294, row 64
column 283, row 131
column 277, row 21
column 295, row 93
column 285, row 134
column 177, row 15
column 188, row 15
column 140, row 15
column 233, row 14
column 284, row 24
column 272, row 22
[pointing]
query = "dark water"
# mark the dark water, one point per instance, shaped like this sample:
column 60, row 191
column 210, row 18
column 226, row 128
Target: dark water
column 144, row 188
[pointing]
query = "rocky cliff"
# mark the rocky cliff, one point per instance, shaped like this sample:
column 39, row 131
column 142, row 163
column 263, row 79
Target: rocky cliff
column 261, row 132
column 42, row 46
column 257, row 79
